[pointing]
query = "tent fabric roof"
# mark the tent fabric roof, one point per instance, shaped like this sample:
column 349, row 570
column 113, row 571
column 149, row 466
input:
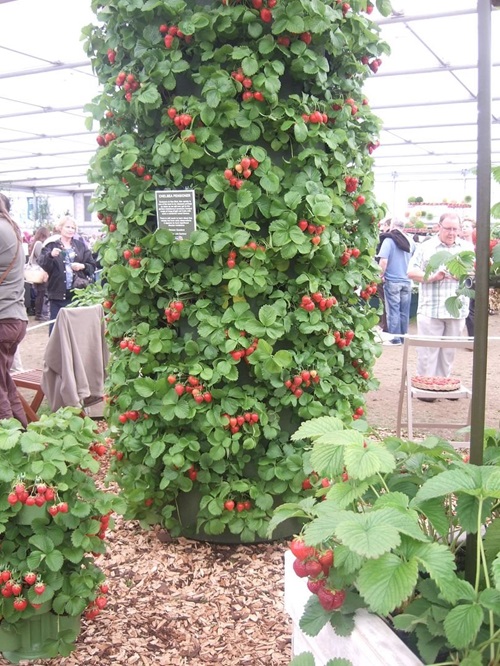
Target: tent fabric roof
column 425, row 92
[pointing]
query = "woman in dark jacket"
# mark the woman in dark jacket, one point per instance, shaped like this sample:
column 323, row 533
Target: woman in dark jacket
column 64, row 258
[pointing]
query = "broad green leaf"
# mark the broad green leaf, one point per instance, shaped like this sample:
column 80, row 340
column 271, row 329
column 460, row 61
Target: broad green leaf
column 304, row 659
column 55, row 560
column 343, row 494
column 492, row 540
column 451, row 481
column 323, row 526
column 434, row 510
column 314, row 617
column 42, row 543
column 267, row 315
column 439, row 563
column 363, row 460
column 490, row 599
column 343, row 624
column 316, row 427
column 386, row 582
column 495, row 571
column 491, row 481
column 462, row 624
column 473, row 658
column 348, row 561
column 327, row 459
column 145, row 387
column 283, row 358
column 368, row 534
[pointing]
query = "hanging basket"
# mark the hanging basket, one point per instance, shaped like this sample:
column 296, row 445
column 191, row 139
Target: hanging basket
column 36, row 637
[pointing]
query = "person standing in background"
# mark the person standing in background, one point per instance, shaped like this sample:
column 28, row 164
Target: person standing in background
column 13, row 316
column 467, row 234
column 63, row 256
column 41, row 303
column 395, row 253
column 433, row 318
column 383, row 228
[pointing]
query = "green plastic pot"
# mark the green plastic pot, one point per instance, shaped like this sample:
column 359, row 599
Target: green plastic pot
column 30, row 638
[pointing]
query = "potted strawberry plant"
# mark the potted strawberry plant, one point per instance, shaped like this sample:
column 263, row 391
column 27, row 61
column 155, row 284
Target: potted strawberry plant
column 392, row 521
column 53, row 521
column 225, row 338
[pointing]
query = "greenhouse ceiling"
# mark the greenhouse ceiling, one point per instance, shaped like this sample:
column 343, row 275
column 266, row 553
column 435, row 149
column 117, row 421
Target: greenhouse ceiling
column 425, row 92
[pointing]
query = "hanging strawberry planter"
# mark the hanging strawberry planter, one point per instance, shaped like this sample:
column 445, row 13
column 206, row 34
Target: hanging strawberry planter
column 257, row 108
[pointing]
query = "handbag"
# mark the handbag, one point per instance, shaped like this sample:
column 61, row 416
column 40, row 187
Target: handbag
column 34, row 274
column 80, row 281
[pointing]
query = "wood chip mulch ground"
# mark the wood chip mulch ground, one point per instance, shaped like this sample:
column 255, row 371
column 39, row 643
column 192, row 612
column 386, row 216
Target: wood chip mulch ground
column 180, row 602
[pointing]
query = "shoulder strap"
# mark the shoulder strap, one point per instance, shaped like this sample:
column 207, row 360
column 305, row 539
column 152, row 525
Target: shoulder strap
column 9, row 267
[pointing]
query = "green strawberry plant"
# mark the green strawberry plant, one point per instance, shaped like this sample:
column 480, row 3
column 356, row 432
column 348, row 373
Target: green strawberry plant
column 53, row 520
column 264, row 309
column 392, row 517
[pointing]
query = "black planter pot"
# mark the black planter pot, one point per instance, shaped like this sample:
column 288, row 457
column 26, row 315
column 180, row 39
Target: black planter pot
column 188, row 505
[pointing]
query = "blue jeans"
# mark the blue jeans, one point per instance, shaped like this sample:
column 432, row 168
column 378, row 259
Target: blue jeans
column 397, row 306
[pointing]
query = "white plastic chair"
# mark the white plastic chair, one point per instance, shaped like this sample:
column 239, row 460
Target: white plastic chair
column 410, row 392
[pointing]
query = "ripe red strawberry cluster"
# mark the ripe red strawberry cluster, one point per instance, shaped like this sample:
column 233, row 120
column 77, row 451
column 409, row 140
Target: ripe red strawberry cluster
column 245, row 167
column 264, row 9
column 104, row 520
column 360, row 370
column 17, row 587
column 140, row 171
column 231, row 259
column 173, row 311
column 100, row 602
column 309, row 303
column 105, row 139
column 171, row 32
column 129, row 256
column 286, row 40
column 238, row 354
column 193, row 386
column 348, row 253
column 306, row 378
column 315, row 118
column 130, row 415
column 358, row 413
column 315, row 565
column 373, row 145
column 128, row 344
column 111, row 56
column 253, row 247
column 346, row 7
column 375, row 64
column 108, row 221
column 97, row 449
column 315, row 230
column 351, row 183
column 35, row 495
column 358, row 201
column 129, row 84
column 192, row 473
column 343, row 340
column 181, row 120
column 231, row 505
column 235, row 423
column 369, row 291
column 247, row 84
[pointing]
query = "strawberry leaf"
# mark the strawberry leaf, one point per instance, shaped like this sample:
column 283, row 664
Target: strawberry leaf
column 386, row 582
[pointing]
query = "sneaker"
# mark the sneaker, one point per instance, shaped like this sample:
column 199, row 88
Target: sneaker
column 393, row 341
column 427, row 399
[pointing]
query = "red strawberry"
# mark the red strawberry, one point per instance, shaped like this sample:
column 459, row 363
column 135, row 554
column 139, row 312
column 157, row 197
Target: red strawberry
column 300, row 568
column 300, row 549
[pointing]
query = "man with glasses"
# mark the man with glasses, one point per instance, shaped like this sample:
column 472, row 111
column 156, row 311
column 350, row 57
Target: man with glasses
column 433, row 318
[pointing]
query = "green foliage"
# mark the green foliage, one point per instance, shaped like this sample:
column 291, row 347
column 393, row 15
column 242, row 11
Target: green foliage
column 243, row 89
column 51, row 461
column 395, row 521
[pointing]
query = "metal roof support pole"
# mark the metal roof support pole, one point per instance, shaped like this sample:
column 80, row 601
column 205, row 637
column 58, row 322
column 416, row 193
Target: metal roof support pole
column 483, row 192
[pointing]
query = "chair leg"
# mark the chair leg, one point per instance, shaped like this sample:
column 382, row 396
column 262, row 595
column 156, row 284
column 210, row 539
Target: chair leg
column 31, row 415
column 409, row 411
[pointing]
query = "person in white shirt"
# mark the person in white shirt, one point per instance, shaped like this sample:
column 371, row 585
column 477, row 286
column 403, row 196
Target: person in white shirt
column 433, row 318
